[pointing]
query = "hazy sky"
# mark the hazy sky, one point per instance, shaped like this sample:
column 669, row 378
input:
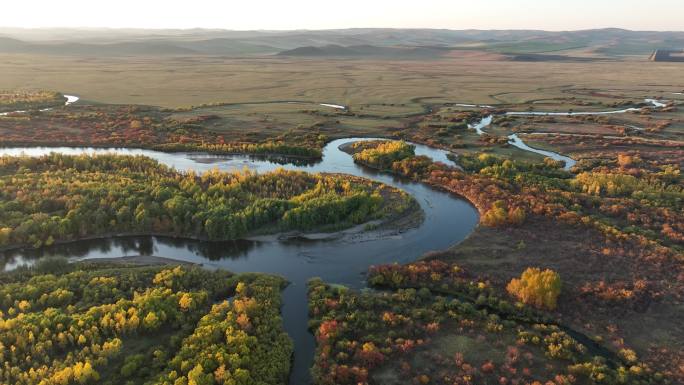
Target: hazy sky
column 319, row 14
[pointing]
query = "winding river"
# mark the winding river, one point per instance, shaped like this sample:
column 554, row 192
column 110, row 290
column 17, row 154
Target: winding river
column 344, row 259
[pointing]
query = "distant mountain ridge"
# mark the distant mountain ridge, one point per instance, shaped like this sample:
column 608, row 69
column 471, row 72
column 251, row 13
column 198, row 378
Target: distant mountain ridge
column 345, row 42
column 137, row 47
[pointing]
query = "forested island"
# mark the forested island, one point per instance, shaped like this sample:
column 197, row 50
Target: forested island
column 58, row 198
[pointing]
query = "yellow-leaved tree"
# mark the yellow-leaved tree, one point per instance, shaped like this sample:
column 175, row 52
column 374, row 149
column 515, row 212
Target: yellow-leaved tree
column 536, row 287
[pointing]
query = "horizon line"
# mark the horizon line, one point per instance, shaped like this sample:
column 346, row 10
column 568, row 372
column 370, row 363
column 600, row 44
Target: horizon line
column 335, row 29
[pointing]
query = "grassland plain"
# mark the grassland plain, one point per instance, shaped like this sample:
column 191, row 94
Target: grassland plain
column 247, row 100
column 184, row 81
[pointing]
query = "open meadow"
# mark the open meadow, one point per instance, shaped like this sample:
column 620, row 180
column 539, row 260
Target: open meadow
column 193, row 80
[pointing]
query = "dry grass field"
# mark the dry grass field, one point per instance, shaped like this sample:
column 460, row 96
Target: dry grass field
column 184, row 81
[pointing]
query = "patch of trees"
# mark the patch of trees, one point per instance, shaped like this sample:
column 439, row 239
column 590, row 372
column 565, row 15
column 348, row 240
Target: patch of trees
column 450, row 280
column 398, row 157
column 114, row 324
column 382, row 154
column 630, row 204
column 636, row 295
column 362, row 336
column 414, row 167
column 60, row 198
column 29, row 100
column 501, row 215
column 442, row 128
column 654, row 188
column 240, row 341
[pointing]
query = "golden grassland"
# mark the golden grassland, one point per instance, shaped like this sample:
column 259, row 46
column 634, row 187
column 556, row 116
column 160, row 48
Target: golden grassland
column 183, row 81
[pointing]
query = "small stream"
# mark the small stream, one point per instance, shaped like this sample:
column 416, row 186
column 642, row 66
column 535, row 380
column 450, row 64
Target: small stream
column 515, row 141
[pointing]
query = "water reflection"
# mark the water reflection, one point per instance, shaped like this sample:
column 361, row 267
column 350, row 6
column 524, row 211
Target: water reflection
column 131, row 246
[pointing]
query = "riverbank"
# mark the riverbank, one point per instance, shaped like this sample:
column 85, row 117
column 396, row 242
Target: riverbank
column 142, row 260
column 389, row 227
column 369, row 231
column 277, row 157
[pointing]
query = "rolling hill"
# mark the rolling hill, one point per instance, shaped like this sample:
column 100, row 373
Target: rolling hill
column 389, row 43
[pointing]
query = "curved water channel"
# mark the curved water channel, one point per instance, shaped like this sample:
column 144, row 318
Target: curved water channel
column 515, row 141
column 344, row 260
column 70, row 99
